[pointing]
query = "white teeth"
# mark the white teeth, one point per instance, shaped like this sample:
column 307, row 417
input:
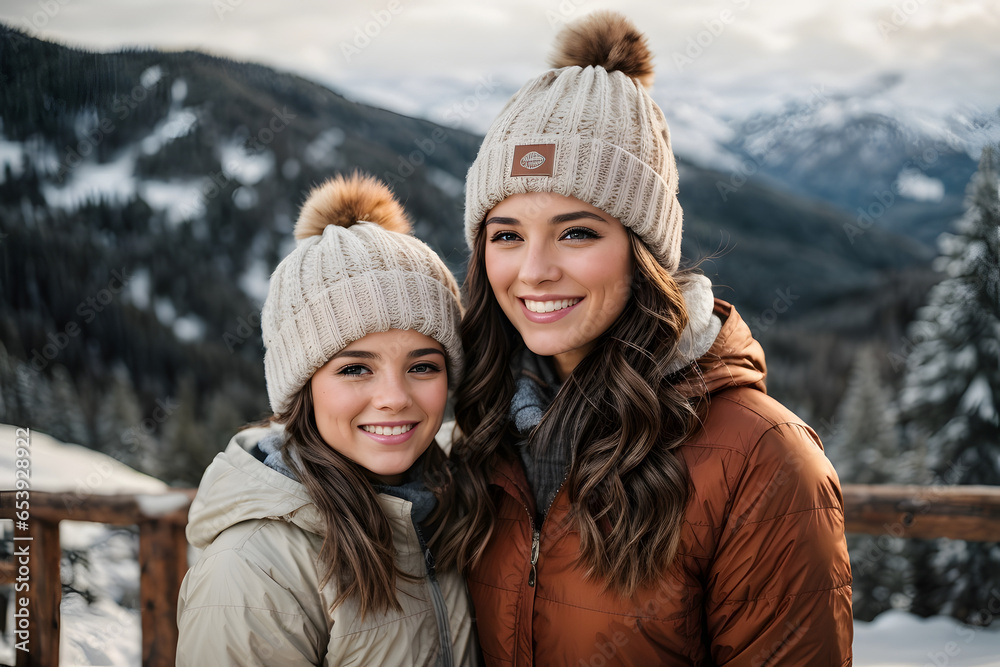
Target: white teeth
column 387, row 430
column 549, row 306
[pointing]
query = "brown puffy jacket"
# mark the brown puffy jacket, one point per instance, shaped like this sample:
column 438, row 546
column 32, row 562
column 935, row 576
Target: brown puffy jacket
column 762, row 576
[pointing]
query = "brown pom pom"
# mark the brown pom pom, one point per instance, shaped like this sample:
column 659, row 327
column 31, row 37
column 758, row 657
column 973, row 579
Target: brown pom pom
column 606, row 39
column 344, row 201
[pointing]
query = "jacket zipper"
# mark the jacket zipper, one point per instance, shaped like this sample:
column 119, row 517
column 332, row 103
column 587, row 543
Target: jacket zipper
column 437, row 598
column 535, row 534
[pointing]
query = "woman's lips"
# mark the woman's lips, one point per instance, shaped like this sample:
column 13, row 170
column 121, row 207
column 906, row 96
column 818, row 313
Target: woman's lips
column 554, row 308
column 389, row 433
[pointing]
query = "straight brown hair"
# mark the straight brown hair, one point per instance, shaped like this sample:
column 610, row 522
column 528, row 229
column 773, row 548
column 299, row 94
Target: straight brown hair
column 357, row 550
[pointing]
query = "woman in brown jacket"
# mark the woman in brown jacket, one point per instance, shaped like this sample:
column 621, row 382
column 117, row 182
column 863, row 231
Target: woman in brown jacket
column 632, row 495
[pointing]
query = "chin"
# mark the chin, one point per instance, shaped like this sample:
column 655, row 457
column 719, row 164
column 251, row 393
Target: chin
column 548, row 346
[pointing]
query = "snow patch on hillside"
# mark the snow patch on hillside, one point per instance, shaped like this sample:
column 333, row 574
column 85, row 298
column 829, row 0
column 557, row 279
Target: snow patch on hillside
column 178, row 123
column 247, row 168
column 179, row 200
column 112, row 181
column 914, row 184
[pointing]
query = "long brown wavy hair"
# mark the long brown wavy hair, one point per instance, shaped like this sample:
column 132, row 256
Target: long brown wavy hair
column 619, row 413
column 357, row 551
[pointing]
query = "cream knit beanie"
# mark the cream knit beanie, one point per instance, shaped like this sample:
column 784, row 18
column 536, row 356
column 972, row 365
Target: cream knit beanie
column 587, row 129
column 354, row 271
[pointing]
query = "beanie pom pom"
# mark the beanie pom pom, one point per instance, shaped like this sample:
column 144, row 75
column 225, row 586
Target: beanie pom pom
column 605, row 39
column 345, row 200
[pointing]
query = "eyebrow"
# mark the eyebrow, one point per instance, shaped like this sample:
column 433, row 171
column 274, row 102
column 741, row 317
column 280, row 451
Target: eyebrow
column 363, row 354
column 555, row 220
column 424, row 351
column 356, row 354
column 576, row 215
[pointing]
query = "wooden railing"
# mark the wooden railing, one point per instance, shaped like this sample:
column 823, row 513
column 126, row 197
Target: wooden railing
column 969, row 513
column 162, row 562
column 958, row 512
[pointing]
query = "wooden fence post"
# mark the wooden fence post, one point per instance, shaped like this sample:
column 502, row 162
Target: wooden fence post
column 163, row 563
column 44, row 595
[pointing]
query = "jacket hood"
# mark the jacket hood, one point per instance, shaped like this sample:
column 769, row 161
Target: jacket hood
column 735, row 359
column 237, row 487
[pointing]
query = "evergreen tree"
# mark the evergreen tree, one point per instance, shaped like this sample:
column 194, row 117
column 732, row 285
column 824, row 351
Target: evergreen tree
column 183, row 437
column 865, row 447
column 10, row 410
column 121, row 430
column 72, row 425
column 951, row 393
column 865, row 450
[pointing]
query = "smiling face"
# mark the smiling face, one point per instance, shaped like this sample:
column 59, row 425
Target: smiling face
column 561, row 271
column 381, row 399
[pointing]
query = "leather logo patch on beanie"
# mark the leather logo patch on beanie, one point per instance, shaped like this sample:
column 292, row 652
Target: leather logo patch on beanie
column 533, row 160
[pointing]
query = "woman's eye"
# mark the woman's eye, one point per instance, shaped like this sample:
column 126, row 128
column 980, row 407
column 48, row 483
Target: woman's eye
column 425, row 368
column 504, row 237
column 580, row 234
column 354, row 369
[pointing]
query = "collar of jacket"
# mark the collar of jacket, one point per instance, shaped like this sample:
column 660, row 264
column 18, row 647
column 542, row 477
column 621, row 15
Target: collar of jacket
column 735, row 359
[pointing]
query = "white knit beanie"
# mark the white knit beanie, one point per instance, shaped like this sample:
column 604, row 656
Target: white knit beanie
column 355, row 270
column 587, row 129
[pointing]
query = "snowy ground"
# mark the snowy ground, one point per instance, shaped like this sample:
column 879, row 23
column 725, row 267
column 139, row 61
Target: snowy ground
column 898, row 639
column 107, row 632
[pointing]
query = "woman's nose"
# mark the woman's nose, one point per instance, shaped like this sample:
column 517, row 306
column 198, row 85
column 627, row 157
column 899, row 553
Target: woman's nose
column 538, row 264
column 391, row 394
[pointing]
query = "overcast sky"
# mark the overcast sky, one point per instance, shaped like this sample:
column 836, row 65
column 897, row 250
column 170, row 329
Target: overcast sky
column 420, row 56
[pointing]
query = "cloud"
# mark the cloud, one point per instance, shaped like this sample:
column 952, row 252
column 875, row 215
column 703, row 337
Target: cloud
column 384, row 49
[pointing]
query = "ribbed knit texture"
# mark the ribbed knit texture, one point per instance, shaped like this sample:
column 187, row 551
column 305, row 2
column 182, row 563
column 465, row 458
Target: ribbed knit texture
column 612, row 150
column 336, row 288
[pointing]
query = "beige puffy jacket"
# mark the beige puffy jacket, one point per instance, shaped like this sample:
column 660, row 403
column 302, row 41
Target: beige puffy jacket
column 254, row 598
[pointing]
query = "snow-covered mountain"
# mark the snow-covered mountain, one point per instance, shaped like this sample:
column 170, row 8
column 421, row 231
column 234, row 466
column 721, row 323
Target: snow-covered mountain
column 904, row 168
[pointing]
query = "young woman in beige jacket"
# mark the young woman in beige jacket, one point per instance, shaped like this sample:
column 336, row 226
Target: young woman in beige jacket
column 318, row 529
